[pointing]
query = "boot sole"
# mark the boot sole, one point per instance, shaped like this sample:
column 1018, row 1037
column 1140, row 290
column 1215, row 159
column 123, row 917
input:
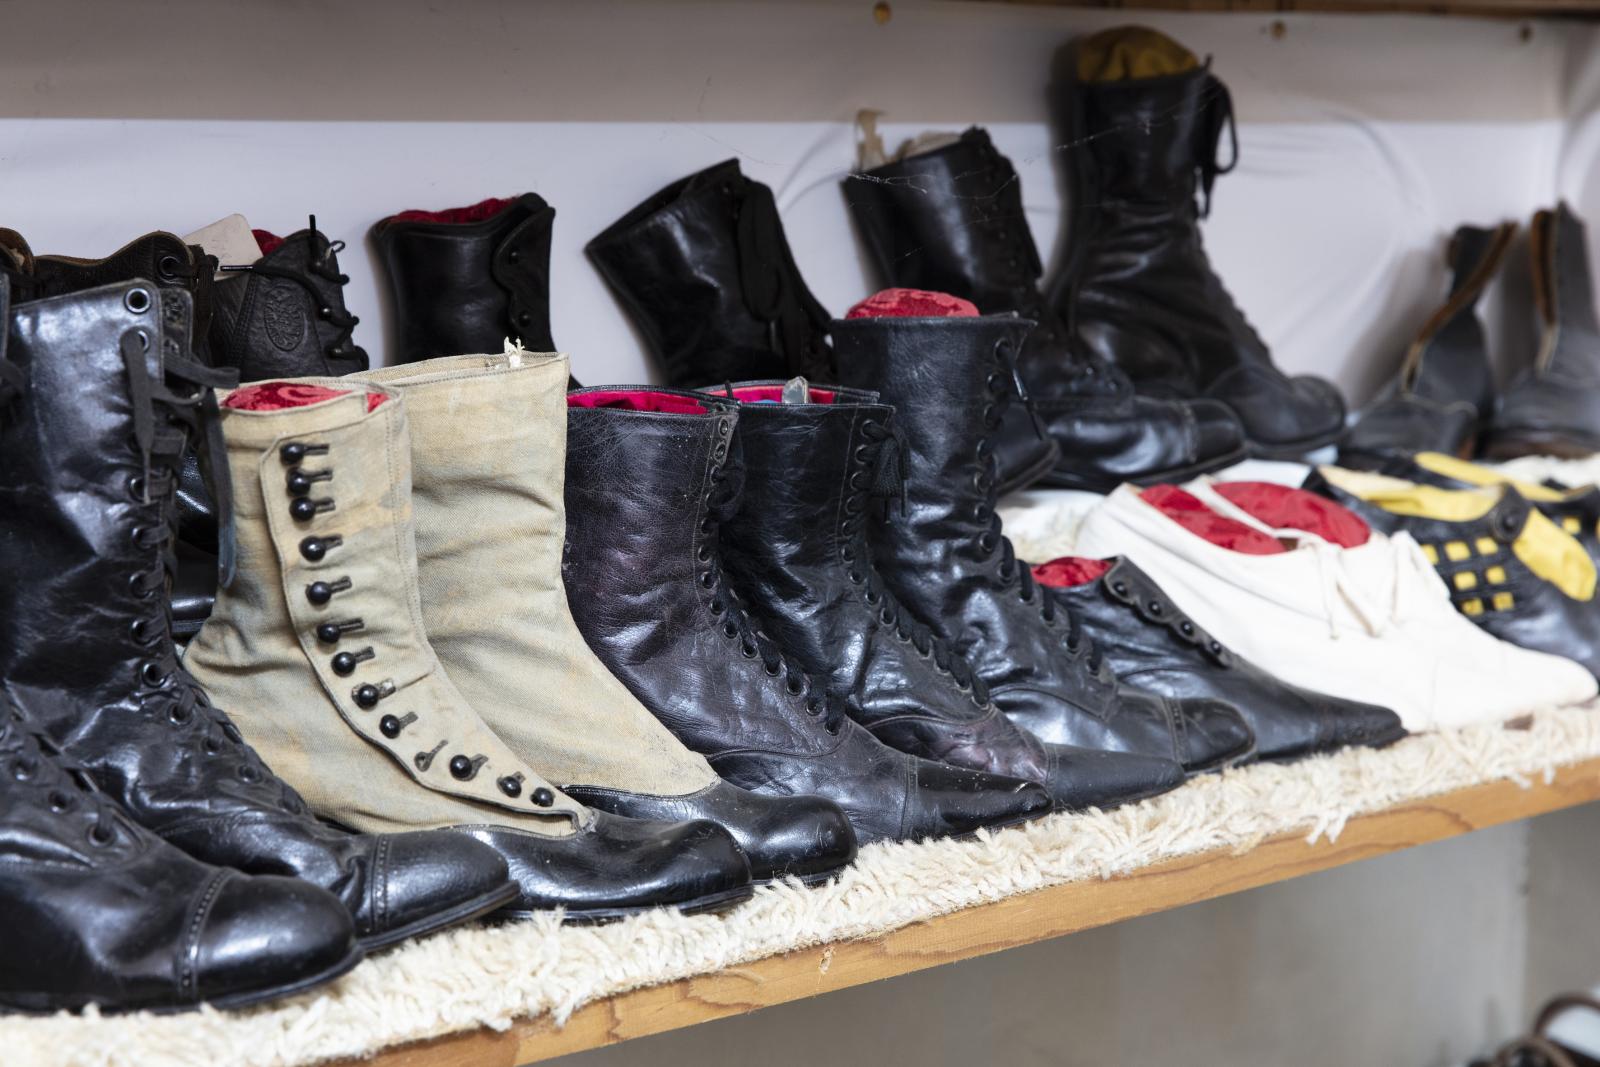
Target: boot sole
column 1292, row 450
column 1535, row 443
column 1063, row 479
column 1222, row 762
column 428, row 924
column 1383, row 741
column 810, row 881
column 710, row 904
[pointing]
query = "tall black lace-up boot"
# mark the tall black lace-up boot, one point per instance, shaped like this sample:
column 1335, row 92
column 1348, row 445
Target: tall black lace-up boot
column 948, row 559
column 1553, row 406
column 833, row 455
column 1444, row 393
column 705, row 272
column 651, row 478
column 465, row 279
column 1142, row 118
column 110, row 398
column 949, row 219
column 100, row 911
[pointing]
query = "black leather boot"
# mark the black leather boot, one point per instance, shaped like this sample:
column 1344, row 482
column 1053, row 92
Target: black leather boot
column 465, row 279
column 650, row 480
column 704, row 270
column 93, row 443
column 1444, row 392
column 950, row 219
column 1136, row 281
column 1553, row 407
column 101, row 911
column 950, row 563
column 833, row 454
column 1152, row 644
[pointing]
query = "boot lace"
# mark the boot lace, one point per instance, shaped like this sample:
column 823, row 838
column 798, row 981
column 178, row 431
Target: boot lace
column 327, row 297
column 879, row 475
column 1216, row 115
column 732, row 610
column 65, row 784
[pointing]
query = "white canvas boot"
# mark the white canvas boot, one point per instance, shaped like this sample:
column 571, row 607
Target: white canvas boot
column 1370, row 623
column 319, row 648
column 488, row 446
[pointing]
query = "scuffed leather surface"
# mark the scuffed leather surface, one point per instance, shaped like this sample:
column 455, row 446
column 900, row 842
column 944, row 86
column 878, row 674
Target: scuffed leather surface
column 72, row 663
column 1150, row 642
column 1138, row 283
column 461, row 287
column 639, row 487
column 792, row 547
column 951, row 220
column 939, row 559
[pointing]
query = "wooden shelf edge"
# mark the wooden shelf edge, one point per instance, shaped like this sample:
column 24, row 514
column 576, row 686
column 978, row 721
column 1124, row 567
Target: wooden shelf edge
column 1503, row 9
column 977, row 931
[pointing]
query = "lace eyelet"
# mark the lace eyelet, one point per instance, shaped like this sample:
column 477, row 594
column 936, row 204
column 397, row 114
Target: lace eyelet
column 717, row 607
column 872, row 596
column 730, row 630
column 247, row 773
column 1187, row 628
column 23, row 770
column 151, row 674
column 773, row 669
column 136, row 487
column 856, row 577
column 749, row 651
column 211, row 745
column 886, row 616
column 794, row 685
column 987, row 542
column 179, row 716
column 101, row 837
column 60, row 801
column 708, row 579
column 704, row 554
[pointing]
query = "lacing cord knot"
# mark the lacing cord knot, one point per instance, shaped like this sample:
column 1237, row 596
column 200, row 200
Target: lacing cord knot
column 1216, row 115
column 322, row 265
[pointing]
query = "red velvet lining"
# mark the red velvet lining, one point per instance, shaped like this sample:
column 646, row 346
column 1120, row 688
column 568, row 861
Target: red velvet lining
column 1069, row 571
column 1188, row 511
column 774, row 393
column 637, row 400
column 280, row 396
column 913, row 304
column 483, row 209
column 268, row 241
column 1287, row 508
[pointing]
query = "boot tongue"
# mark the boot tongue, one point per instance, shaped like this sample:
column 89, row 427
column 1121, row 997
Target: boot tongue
column 232, row 241
column 913, row 303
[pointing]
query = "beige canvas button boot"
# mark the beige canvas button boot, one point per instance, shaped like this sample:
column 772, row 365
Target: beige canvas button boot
column 488, row 440
column 319, row 648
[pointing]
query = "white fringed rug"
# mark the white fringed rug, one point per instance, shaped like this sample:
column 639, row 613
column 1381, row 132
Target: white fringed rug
column 490, row 976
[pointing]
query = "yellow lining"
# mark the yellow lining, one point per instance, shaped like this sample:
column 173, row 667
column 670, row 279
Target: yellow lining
column 1476, row 474
column 1127, row 52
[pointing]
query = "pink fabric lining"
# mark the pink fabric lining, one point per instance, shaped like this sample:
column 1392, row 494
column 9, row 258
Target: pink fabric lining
column 280, row 396
column 483, row 209
column 1188, row 511
column 1069, row 571
column 637, row 400
column 268, row 241
column 750, row 393
column 913, row 304
column 1284, row 507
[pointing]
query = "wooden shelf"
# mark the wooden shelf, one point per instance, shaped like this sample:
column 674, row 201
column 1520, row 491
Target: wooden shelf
column 1584, row 9
column 1001, row 925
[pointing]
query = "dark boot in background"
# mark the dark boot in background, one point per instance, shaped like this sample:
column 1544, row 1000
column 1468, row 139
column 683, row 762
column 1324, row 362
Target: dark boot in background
column 704, row 271
column 1553, row 407
column 1141, row 118
column 946, row 215
column 465, row 279
column 1445, row 390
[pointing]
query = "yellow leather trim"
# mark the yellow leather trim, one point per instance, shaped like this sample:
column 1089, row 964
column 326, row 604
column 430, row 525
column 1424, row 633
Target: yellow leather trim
column 1504, row 602
column 1466, row 580
column 1432, row 554
column 1456, row 551
column 1472, row 607
column 1555, row 556
column 1495, row 576
column 1572, row 524
column 1126, row 52
column 1487, row 546
column 1477, row 474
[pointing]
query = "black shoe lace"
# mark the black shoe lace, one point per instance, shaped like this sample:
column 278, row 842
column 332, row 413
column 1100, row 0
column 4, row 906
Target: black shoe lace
column 322, row 265
column 1216, row 115
column 732, row 611
column 993, row 539
column 65, row 784
column 879, row 474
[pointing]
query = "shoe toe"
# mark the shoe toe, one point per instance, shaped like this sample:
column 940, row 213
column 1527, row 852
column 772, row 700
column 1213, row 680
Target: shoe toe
column 264, row 934
column 1350, row 722
column 432, row 879
column 1218, row 430
column 1317, row 404
column 950, row 801
column 1214, row 734
column 804, row 836
column 1088, row 778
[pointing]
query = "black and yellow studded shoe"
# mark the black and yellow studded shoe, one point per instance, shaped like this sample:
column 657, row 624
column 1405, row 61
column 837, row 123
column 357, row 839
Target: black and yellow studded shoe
column 1512, row 569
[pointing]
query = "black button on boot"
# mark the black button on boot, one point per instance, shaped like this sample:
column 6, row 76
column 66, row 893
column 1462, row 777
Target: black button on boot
column 100, row 911
column 949, row 561
column 465, row 279
column 816, row 471
column 1552, row 407
column 1444, row 393
column 950, row 219
column 95, row 440
column 705, row 272
column 1140, row 163
column 1150, row 643
column 650, row 481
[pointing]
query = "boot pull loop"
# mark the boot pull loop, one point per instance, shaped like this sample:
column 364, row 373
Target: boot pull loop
column 1216, row 115
column 870, row 150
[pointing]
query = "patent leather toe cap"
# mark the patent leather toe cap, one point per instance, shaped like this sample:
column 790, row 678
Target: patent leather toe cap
column 949, row 801
column 616, row 866
column 267, row 935
column 1350, row 722
column 1213, row 734
column 429, row 880
column 807, row 837
column 1083, row 778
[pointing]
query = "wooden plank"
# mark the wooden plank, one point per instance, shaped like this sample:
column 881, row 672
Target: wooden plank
column 1484, row 8
column 977, row 931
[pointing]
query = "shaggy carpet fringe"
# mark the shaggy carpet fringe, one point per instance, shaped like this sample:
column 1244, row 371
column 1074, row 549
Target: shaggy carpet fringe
column 491, row 976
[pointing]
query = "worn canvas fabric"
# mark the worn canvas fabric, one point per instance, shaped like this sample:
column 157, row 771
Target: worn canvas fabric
column 260, row 654
column 489, row 446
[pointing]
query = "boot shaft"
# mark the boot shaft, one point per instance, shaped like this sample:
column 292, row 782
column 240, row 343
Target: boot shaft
column 1564, row 294
column 284, row 315
column 466, row 279
column 705, row 272
column 158, row 257
column 1449, row 359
